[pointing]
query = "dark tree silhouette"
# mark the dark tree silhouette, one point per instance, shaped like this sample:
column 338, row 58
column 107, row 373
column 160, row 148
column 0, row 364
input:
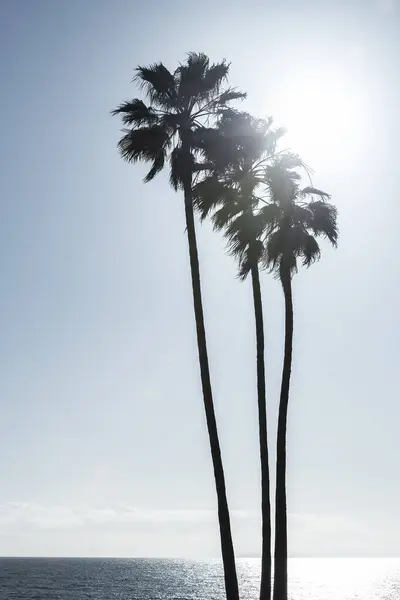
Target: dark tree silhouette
column 293, row 224
column 182, row 105
column 230, row 195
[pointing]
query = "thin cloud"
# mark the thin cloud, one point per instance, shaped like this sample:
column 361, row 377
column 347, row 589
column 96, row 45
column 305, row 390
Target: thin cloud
column 17, row 515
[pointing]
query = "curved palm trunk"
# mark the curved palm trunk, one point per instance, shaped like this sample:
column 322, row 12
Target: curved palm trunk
column 228, row 556
column 265, row 587
column 281, row 558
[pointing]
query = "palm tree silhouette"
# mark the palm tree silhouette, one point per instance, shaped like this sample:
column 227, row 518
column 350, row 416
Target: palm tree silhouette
column 182, row 105
column 293, row 224
column 230, row 194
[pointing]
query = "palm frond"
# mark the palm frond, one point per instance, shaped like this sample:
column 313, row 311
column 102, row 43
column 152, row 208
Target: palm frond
column 281, row 184
column 240, row 140
column 275, row 250
column 198, row 63
column 323, row 220
column 214, row 77
column 136, row 113
column 213, row 148
column 176, row 161
column 224, row 215
column 280, row 131
column 245, row 229
column 199, row 83
column 190, row 76
column 244, row 268
column 235, row 124
column 281, row 175
column 288, row 161
column 208, row 194
column 271, row 138
column 309, row 249
column 300, row 215
column 250, row 258
column 181, row 164
column 205, row 139
column 312, row 191
column 158, row 83
column 144, row 143
column 229, row 95
column 170, row 121
column 158, row 165
column 271, row 215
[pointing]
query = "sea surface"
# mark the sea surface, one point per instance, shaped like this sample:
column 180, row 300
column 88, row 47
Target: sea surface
column 149, row 579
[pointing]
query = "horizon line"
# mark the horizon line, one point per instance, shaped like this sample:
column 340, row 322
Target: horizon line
column 199, row 558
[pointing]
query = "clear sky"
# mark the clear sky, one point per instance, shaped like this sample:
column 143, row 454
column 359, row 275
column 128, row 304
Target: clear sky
column 103, row 442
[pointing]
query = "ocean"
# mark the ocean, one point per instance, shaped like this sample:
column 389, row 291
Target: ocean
column 149, row 579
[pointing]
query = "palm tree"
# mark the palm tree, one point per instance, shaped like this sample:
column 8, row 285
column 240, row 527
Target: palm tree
column 293, row 226
column 182, row 106
column 230, row 194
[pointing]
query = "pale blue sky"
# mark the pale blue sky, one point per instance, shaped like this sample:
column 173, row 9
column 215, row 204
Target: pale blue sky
column 103, row 442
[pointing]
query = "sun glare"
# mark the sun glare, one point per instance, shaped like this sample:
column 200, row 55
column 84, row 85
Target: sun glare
column 322, row 111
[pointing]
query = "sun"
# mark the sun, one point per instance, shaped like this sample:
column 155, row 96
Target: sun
column 322, row 110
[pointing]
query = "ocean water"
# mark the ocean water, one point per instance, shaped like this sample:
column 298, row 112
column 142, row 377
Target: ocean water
column 148, row 579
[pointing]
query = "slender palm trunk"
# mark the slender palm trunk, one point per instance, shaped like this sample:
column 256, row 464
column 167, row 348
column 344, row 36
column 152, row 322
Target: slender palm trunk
column 281, row 558
column 228, row 555
column 265, row 587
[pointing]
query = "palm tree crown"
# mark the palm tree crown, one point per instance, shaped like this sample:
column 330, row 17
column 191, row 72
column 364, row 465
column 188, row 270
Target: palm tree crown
column 241, row 154
column 181, row 103
column 292, row 223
